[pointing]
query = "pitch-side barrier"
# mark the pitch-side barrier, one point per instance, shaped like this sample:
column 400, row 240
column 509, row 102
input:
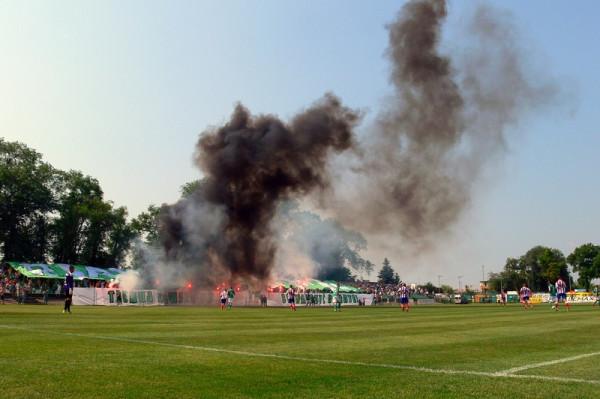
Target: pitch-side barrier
column 122, row 297
column 115, row 297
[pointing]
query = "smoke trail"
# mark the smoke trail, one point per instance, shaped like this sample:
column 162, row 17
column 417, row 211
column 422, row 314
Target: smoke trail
column 251, row 164
column 445, row 123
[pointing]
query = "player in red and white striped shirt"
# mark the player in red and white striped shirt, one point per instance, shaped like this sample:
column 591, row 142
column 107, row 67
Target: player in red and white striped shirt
column 561, row 294
column 291, row 297
column 404, row 297
column 525, row 294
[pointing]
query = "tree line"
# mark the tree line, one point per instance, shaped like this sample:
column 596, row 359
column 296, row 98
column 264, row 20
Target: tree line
column 543, row 265
column 48, row 214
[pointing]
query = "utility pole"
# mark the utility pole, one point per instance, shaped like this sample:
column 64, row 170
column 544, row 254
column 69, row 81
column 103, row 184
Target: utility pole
column 439, row 282
column 459, row 277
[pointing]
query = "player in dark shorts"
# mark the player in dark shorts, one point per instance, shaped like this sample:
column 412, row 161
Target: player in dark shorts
column 404, row 297
column 68, row 288
column 561, row 294
column 291, row 297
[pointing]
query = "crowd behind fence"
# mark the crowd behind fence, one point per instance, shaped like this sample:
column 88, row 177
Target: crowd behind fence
column 22, row 289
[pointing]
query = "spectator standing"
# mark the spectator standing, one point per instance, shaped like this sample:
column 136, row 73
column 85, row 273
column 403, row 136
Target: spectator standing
column 18, row 291
column 46, row 291
column 68, row 288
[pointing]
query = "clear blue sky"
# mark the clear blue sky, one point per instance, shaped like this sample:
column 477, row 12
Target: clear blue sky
column 121, row 90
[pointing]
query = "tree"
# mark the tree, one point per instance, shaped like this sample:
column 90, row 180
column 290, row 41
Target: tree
column 88, row 230
column 189, row 188
column 430, row 287
column 26, row 199
column 585, row 260
column 120, row 237
column 48, row 214
column 369, row 267
column 145, row 225
column 333, row 249
column 342, row 274
column 78, row 196
column 543, row 265
column 539, row 266
column 446, row 289
column 386, row 274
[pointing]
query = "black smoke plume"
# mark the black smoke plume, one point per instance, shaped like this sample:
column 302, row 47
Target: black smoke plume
column 250, row 165
column 445, row 123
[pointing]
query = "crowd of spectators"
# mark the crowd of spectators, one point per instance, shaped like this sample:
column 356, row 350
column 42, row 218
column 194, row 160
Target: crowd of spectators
column 383, row 293
column 388, row 293
column 21, row 288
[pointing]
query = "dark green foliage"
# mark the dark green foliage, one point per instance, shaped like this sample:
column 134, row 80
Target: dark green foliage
column 585, row 260
column 145, row 225
column 188, row 188
column 26, row 199
column 387, row 275
column 538, row 267
column 51, row 215
column 339, row 273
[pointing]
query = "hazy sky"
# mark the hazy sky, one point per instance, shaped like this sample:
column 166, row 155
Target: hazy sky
column 121, row 89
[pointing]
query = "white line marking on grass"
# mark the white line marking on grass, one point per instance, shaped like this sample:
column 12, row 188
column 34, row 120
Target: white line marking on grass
column 309, row 360
column 548, row 363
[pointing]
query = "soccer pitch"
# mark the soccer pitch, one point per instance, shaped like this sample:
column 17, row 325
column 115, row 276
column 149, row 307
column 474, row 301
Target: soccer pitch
column 451, row 351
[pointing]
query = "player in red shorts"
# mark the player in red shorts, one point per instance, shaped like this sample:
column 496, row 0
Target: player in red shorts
column 525, row 294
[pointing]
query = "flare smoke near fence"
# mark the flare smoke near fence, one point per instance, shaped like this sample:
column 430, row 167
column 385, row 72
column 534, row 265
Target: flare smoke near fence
column 443, row 125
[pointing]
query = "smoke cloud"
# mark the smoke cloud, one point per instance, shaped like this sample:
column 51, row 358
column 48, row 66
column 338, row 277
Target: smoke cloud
column 309, row 245
column 445, row 122
column 250, row 165
column 444, row 125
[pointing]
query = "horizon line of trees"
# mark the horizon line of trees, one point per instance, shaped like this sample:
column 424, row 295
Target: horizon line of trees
column 541, row 266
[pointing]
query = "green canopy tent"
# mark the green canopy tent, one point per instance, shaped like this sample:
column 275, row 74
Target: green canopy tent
column 38, row 270
column 314, row 284
column 317, row 285
column 59, row 270
column 343, row 287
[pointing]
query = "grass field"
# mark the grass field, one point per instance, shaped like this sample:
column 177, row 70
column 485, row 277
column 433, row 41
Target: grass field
column 450, row 351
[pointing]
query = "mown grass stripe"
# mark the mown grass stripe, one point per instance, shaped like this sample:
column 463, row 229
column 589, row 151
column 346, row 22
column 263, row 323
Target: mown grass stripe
column 501, row 374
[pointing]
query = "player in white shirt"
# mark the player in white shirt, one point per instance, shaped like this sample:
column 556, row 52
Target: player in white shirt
column 223, row 299
column 561, row 294
column 525, row 294
column 291, row 297
column 404, row 297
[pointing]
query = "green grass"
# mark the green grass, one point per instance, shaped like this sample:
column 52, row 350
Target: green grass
column 45, row 354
